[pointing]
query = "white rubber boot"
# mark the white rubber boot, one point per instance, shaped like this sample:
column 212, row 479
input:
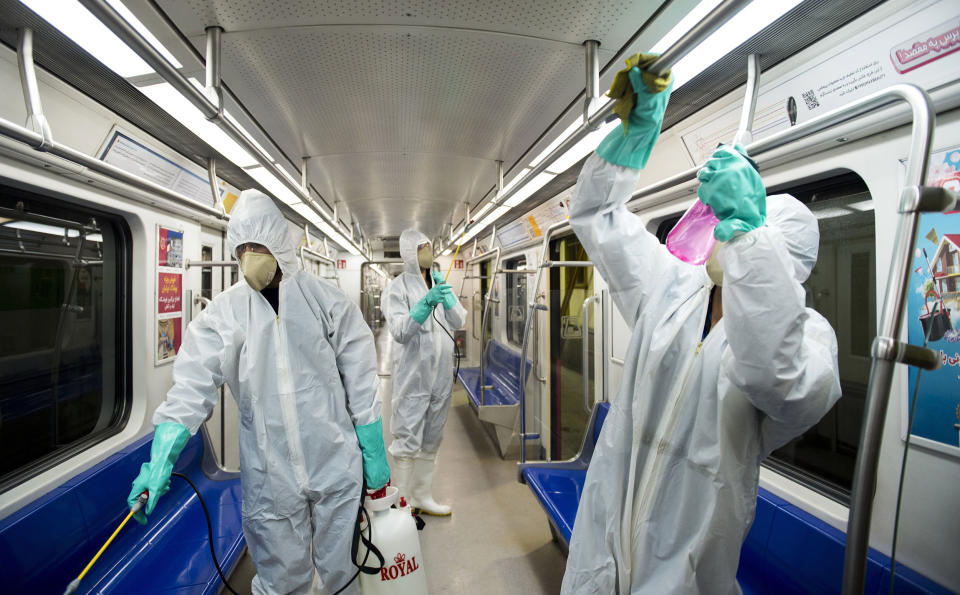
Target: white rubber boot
column 421, row 486
column 400, row 476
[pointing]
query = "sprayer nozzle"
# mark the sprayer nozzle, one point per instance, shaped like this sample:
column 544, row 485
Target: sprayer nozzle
column 72, row 586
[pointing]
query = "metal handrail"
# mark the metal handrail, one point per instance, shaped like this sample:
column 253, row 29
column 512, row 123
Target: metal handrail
column 307, row 252
column 585, row 348
column 691, row 39
column 483, row 321
column 214, row 113
column 210, row 263
column 532, row 306
column 485, row 256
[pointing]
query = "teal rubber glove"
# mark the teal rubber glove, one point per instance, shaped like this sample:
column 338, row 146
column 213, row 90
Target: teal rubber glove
column 632, row 141
column 168, row 441
column 420, row 311
column 732, row 188
column 434, row 297
column 449, row 298
column 376, row 470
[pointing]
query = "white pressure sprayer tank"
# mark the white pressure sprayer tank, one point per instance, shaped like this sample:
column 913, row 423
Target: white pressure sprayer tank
column 395, row 535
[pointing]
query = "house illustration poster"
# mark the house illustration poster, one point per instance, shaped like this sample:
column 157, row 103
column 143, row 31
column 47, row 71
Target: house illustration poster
column 933, row 312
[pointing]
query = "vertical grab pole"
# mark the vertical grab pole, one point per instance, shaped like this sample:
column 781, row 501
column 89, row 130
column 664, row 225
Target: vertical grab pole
column 885, row 346
column 532, row 306
column 214, row 89
column 36, row 121
column 483, row 325
column 744, row 134
column 585, row 347
column 592, row 99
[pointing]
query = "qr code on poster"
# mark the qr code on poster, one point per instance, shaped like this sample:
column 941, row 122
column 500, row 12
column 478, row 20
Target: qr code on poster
column 810, row 99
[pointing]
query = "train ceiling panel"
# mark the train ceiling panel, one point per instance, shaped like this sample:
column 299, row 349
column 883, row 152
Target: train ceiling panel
column 405, row 107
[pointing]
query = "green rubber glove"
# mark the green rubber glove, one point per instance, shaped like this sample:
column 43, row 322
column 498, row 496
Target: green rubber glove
column 376, row 470
column 449, row 298
column 434, row 297
column 641, row 101
column 168, row 441
column 732, row 188
column 421, row 311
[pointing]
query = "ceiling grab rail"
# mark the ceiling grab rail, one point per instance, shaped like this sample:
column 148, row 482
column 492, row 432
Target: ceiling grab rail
column 37, row 135
column 585, row 349
column 107, row 15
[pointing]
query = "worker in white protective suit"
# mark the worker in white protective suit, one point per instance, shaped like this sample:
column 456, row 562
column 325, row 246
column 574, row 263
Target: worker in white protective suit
column 422, row 312
column 671, row 490
column 301, row 364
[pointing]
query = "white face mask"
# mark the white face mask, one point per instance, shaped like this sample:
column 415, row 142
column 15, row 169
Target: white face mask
column 714, row 270
column 425, row 256
column 258, row 269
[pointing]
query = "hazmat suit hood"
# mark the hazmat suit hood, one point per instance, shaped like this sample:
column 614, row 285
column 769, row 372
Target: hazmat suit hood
column 800, row 231
column 409, row 240
column 255, row 218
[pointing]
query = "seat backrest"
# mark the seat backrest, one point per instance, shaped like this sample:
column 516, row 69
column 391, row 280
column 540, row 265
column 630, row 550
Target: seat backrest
column 503, row 364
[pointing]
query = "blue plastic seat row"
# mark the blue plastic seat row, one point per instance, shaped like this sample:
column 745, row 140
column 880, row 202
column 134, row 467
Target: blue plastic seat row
column 787, row 551
column 47, row 543
column 501, row 370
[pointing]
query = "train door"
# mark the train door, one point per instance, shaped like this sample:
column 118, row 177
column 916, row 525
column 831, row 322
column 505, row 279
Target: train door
column 571, row 345
column 223, row 425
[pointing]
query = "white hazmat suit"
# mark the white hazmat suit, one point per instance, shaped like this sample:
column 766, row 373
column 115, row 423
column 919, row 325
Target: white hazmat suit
column 422, row 375
column 671, row 490
column 302, row 379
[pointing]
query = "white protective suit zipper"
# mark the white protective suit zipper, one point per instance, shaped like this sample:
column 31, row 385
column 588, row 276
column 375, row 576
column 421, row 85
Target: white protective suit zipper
column 679, row 399
column 290, row 423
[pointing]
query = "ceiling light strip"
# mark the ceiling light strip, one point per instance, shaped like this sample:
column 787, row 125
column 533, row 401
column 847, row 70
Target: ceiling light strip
column 133, row 39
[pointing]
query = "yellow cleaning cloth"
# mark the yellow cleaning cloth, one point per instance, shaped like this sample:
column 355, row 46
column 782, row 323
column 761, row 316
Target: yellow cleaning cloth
column 622, row 91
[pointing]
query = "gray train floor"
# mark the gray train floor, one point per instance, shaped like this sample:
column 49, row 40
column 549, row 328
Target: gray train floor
column 497, row 540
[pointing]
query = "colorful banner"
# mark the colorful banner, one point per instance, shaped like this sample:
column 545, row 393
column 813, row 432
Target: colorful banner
column 933, row 311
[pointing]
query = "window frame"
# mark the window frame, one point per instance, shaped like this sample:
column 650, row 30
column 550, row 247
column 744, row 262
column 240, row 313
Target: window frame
column 123, row 333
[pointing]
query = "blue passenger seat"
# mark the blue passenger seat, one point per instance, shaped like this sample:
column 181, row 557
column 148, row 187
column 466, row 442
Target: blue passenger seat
column 501, row 370
column 558, row 485
column 787, row 551
column 46, row 544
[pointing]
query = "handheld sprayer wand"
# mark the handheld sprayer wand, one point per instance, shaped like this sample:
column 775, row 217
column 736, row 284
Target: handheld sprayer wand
column 75, row 583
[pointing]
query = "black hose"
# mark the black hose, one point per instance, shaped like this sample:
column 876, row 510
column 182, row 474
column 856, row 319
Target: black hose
column 206, row 513
column 456, row 348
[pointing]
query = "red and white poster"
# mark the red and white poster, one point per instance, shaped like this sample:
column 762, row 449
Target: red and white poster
column 169, row 294
column 458, row 263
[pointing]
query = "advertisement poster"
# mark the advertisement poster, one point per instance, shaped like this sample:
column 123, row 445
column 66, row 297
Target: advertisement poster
column 133, row 156
column 170, row 248
column 933, row 312
column 916, row 45
column 169, row 312
column 169, row 292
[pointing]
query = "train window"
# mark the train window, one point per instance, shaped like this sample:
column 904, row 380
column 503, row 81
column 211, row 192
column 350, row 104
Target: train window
column 62, row 335
column 516, row 299
column 842, row 287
